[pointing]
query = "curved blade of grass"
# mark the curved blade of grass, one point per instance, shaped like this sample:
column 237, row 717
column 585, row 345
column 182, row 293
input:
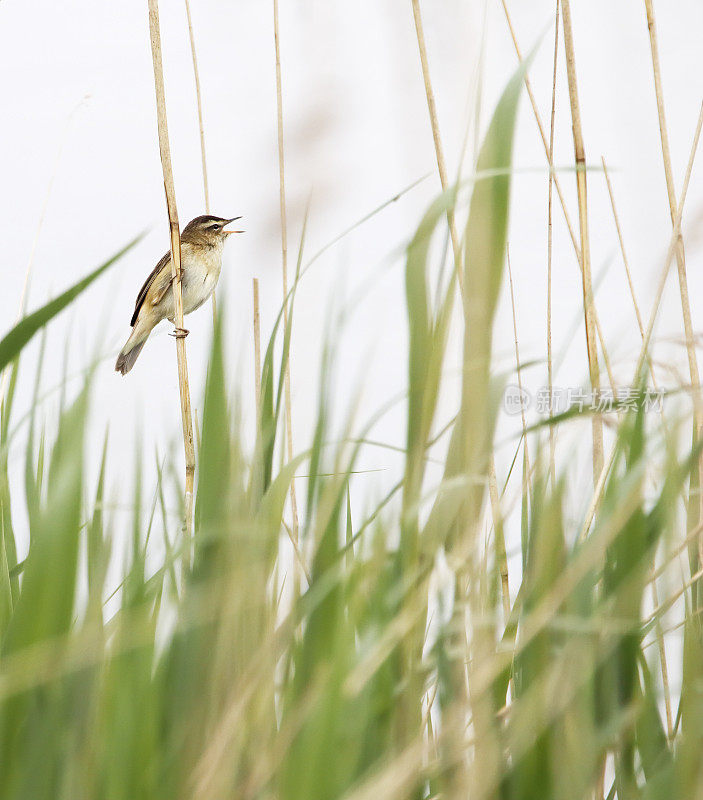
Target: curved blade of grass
column 5, row 584
column 472, row 437
column 270, row 409
column 20, row 335
column 486, row 236
column 427, row 343
column 45, row 604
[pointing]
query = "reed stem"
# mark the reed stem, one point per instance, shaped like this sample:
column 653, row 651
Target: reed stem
column 557, row 186
column 695, row 499
column 165, row 152
column 199, row 100
column 284, row 259
column 550, row 249
column 581, row 185
column 439, row 150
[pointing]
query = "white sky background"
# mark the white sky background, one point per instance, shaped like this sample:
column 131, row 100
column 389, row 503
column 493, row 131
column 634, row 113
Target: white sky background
column 77, row 102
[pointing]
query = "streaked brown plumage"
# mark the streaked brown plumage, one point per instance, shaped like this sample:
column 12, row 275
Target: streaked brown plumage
column 202, row 243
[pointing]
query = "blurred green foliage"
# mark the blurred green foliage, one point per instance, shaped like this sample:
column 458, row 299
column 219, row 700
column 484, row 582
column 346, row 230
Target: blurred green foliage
column 235, row 669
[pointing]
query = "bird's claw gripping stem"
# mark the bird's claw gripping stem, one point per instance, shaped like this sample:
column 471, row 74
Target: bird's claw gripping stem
column 179, row 333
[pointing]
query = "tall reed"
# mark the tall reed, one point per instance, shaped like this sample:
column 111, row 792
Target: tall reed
column 165, row 152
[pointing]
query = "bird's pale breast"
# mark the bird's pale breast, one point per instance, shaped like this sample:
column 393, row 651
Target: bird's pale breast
column 201, row 271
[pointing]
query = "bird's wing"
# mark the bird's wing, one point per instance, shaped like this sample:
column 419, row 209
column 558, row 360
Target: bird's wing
column 161, row 285
column 141, row 297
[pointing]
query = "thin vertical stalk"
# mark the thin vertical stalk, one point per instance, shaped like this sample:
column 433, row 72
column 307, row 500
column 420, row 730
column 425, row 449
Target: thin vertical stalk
column 439, row 150
column 628, row 273
column 165, row 152
column 655, row 597
column 543, row 135
column 199, row 100
column 478, row 106
column 623, row 252
column 257, row 348
column 550, row 244
column 499, row 534
column 284, row 257
column 694, row 508
column 654, row 313
column 518, row 367
column 526, row 468
column 659, row 631
column 560, row 193
column 626, row 263
column 671, row 191
column 581, row 185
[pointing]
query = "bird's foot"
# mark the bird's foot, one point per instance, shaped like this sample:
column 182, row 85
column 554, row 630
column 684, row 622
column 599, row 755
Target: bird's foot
column 179, row 333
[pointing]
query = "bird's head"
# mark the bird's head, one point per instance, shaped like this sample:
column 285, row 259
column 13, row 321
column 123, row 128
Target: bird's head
column 208, row 230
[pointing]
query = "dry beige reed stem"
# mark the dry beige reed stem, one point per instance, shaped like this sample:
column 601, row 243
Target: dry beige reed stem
column 297, row 552
column 644, row 351
column 658, row 611
column 557, row 186
column 671, row 191
column 540, row 127
column 284, row 257
column 621, row 241
column 582, row 187
column 199, row 101
column 626, row 263
column 680, row 259
column 164, row 150
column 439, row 150
column 550, row 249
column 673, row 244
column 655, row 597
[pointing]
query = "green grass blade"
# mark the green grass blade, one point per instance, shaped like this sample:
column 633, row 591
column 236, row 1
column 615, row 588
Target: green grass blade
column 13, row 342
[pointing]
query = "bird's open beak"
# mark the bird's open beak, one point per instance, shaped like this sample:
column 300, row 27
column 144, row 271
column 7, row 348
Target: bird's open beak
column 234, row 219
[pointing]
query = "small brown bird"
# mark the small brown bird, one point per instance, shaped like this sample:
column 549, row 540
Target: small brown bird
column 202, row 243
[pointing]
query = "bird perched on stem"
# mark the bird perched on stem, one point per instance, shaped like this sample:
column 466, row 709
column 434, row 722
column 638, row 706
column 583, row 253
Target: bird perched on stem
column 202, row 243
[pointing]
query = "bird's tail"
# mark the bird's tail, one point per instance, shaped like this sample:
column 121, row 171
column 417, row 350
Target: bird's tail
column 128, row 354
